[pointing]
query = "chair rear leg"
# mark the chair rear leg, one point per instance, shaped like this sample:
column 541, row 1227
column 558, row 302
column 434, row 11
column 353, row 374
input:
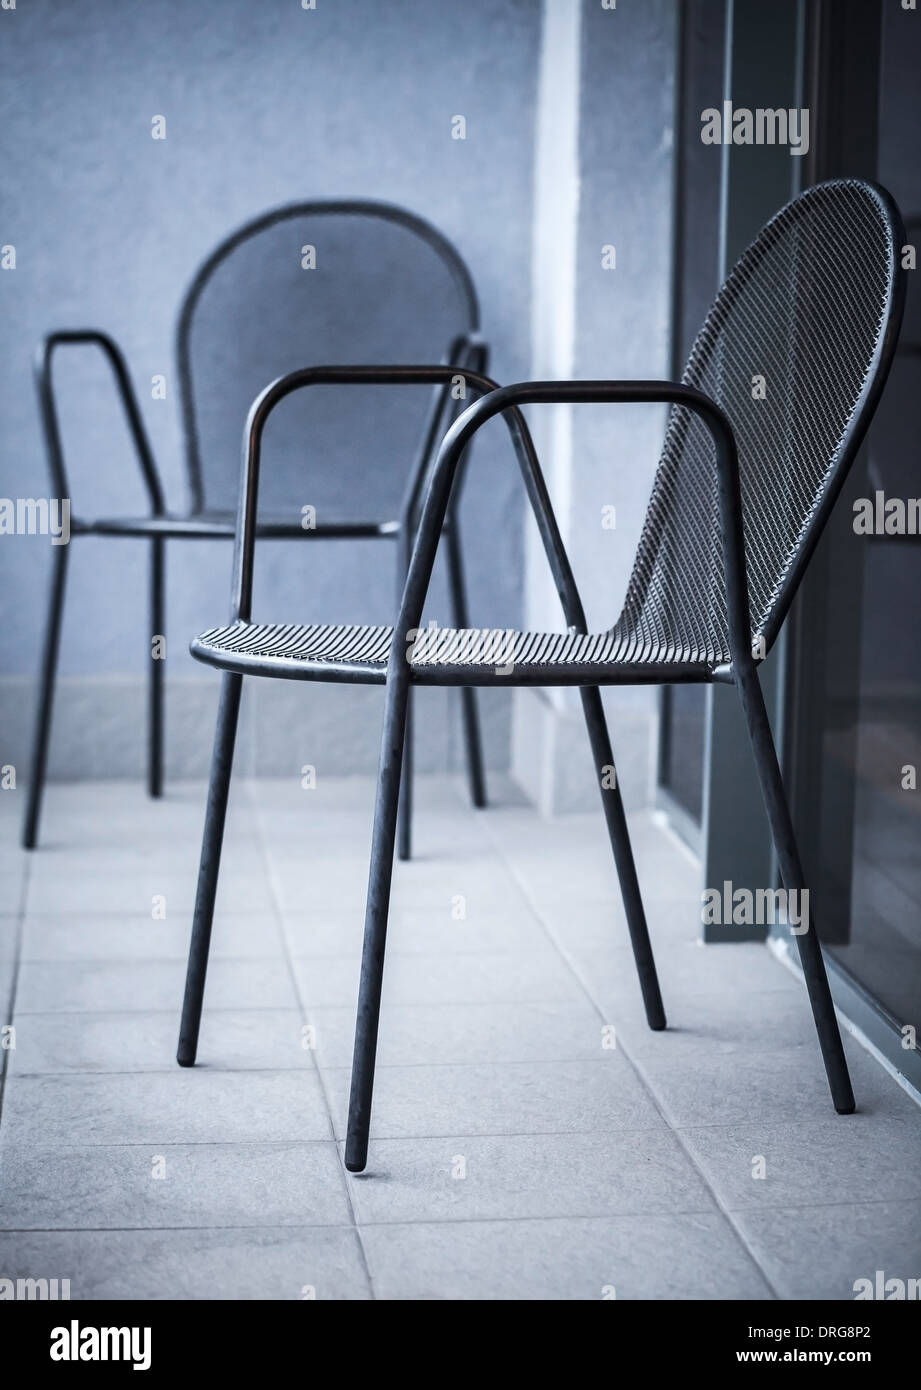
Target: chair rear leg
column 613, row 805
column 155, row 679
column 791, row 871
column 793, row 879
column 209, row 865
column 377, row 910
column 46, row 698
column 405, row 811
column 469, row 712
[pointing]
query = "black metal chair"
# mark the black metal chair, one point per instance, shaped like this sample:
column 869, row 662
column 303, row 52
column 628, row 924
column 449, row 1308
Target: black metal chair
column 385, row 285
column 742, row 492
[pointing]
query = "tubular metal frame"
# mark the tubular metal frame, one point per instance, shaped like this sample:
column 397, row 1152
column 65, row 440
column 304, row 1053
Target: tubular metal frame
column 400, row 675
column 742, row 672
column 442, row 482
column 466, row 350
column 399, row 679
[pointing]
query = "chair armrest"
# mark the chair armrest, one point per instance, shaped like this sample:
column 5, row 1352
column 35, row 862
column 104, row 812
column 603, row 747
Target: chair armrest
column 440, row 376
column 44, row 354
column 575, row 392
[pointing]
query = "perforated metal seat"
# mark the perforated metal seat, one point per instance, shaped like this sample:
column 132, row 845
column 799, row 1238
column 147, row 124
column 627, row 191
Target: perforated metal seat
column 443, row 656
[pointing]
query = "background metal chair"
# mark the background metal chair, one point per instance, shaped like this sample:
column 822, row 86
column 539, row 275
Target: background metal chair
column 385, row 286
column 743, row 489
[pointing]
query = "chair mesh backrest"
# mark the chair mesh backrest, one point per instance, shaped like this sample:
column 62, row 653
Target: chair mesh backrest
column 805, row 308
column 386, row 288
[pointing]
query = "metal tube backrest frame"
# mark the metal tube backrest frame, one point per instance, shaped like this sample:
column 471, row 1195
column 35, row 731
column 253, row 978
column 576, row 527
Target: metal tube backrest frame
column 370, row 213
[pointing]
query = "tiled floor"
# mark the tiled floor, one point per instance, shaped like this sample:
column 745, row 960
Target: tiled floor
column 515, row 1152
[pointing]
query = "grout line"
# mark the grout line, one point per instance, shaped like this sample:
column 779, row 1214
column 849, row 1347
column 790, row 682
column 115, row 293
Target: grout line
column 212, row 1070
column 297, row 1140
column 316, row 1005
column 536, row 1003
column 196, row 1230
column 409, row 1136
column 675, row 1214
column 459, row 1221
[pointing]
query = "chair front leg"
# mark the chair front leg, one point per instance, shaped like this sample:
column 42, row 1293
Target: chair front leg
column 377, row 911
column 613, row 805
column 209, row 866
column 791, row 871
column 405, row 829
column 156, row 674
column 46, row 698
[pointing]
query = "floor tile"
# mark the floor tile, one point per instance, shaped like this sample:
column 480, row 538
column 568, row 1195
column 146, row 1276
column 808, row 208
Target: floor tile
column 91, row 892
column 685, row 968
column 520, row 1098
column 486, row 886
column 187, row 1105
column 7, row 975
column 9, row 935
column 12, row 881
column 98, row 986
column 442, row 1034
column 765, row 1084
column 821, row 1252
column 719, row 1023
column 254, row 1039
column 844, row 1158
column 416, row 931
column 633, row 1257
column 527, row 1176
column 104, row 1187
column 486, row 978
column 321, row 1262
column 121, row 936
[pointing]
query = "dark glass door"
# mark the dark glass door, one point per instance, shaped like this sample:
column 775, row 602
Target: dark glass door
column 854, row 705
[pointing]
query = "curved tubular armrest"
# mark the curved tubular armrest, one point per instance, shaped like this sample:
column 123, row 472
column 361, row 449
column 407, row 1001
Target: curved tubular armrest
column 43, row 358
column 574, row 392
column 264, row 404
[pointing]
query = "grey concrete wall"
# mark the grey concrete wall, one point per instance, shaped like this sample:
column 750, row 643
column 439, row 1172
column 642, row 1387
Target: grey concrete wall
column 264, row 103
